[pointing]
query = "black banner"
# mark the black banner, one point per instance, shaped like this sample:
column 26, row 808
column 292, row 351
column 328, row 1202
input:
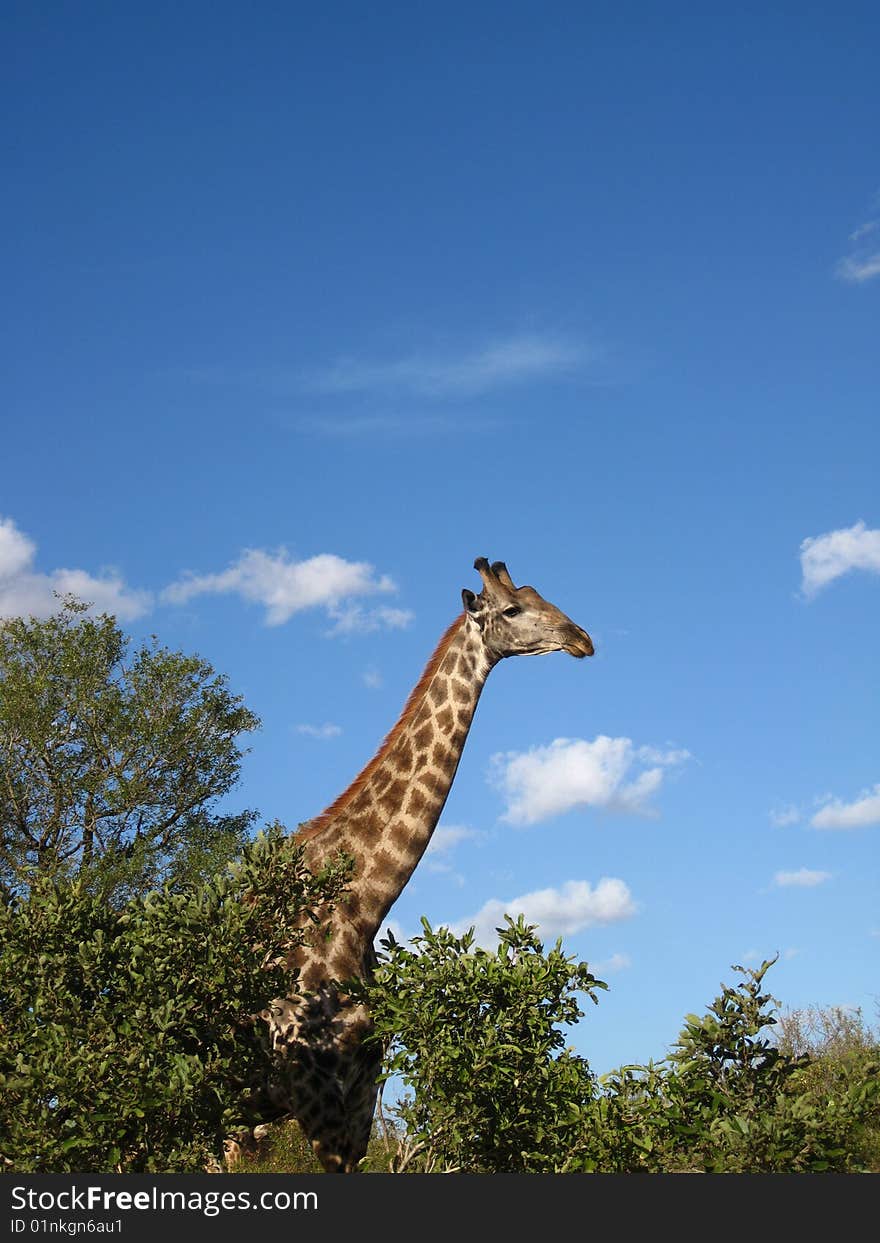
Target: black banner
column 192, row 1207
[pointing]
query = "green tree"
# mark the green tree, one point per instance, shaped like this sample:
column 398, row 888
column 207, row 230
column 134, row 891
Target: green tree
column 478, row 1037
column 112, row 762
column 731, row 1098
column 129, row 1038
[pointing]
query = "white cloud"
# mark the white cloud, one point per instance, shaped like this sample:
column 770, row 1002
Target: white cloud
column 25, row 592
column 16, row 550
column 447, row 836
column 870, row 226
column 784, row 816
column 443, row 842
column 754, row 955
column 863, row 811
column 826, row 557
column 285, row 587
column 500, row 363
column 863, row 262
column 355, row 619
column 557, row 912
column 412, row 424
column 322, row 732
column 617, row 962
column 372, row 679
column 802, row 878
column 572, row 772
column 856, row 269
column 655, row 755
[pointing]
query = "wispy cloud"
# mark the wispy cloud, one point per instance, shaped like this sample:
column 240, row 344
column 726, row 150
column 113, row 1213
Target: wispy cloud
column 355, row 619
column 803, row 878
column 410, row 425
column 608, row 966
column 863, row 262
column 864, row 230
column 754, row 955
column 557, row 912
column 321, row 732
column 350, row 426
column 826, row 557
column 447, row 836
column 25, row 592
column 372, row 679
column 497, row 364
column 855, row 270
column 782, row 817
column 862, row 812
column 610, row 773
column 442, row 845
column 285, row 587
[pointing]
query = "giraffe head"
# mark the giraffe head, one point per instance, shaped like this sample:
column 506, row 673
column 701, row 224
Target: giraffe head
column 516, row 621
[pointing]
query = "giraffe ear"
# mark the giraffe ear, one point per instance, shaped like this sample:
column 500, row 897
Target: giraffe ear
column 469, row 600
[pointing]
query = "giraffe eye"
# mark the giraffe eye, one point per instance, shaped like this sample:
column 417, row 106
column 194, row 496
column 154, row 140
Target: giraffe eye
column 513, row 611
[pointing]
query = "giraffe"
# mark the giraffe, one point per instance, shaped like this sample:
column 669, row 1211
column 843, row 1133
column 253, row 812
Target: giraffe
column 326, row 1076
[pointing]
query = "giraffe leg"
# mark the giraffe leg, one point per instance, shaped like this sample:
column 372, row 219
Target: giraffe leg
column 337, row 1116
column 361, row 1102
column 328, row 1134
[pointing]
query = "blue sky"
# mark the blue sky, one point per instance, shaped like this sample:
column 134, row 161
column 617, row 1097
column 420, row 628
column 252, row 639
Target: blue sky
column 307, row 309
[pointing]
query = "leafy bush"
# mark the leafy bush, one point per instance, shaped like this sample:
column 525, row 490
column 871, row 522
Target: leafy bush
column 842, row 1062
column 129, row 1039
column 730, row 1099
column 477, row 1036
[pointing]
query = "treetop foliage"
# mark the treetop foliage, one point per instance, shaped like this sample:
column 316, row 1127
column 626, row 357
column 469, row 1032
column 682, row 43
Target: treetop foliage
column 111, row 760
column 478, row 1034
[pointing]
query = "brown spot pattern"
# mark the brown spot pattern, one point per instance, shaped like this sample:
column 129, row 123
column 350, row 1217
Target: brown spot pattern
column 417, row 802
column 438, row 692
column 443, row 759
column 422, row 737
column 461, row 692
column 401, row 836
column 403, row 755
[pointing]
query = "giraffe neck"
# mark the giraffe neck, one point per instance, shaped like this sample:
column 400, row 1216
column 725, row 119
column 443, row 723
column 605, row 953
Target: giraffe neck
column 385, row 819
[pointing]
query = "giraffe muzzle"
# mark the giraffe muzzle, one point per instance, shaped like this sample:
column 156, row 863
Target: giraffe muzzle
column 580, row 644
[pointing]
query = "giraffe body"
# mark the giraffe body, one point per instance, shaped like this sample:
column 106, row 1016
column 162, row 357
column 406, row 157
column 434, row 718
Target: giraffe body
column 326, row 1075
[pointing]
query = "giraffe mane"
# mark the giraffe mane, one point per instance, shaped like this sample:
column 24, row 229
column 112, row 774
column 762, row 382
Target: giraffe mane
column 319, row 822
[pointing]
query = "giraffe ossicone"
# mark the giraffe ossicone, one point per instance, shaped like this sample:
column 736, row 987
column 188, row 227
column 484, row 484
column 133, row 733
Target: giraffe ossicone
column 325, row 1075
